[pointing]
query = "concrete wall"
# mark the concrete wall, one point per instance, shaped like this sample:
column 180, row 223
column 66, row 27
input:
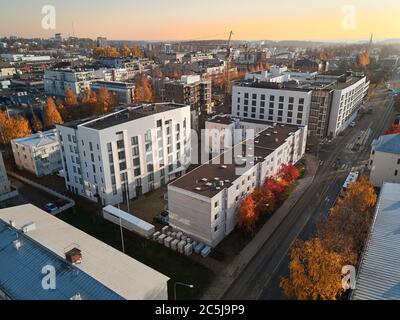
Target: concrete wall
column 383, row 168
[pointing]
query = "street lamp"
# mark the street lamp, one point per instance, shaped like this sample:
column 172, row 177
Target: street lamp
column 181, row 284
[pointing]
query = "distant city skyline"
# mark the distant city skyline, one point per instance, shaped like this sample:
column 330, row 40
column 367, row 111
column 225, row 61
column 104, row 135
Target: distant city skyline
column 175, row 20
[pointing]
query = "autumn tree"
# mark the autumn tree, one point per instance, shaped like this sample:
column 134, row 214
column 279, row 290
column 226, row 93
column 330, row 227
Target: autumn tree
column 13, row 127
column 247, row 214
column 361, row 195
column 106, row 101
column 277, row 187
column 393, row 129
column 51, row 114
column 126, row 51
column 137, row 52
column 143, row 90
column 314, row 272
column 70, row 98
column 264, row 200
column 289, row 173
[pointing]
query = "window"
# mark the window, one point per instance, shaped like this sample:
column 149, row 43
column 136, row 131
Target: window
column 290, row 107
column 109, row 147
column 271, row 104
column 301, row 101
column 216, row 216
column 396, row 173
column 291, row 100
column 94, row 168
column 216, row 229
column 90, row 146
column 246, row 95
column 263, row 97
column 122, row 166
column 271, row 111
column 300, row 108
column 121, row 155
column 271, row 98
column 398, row 161
column 134, row 140
column 159, row 123
column 281, row 99
column 280, row 113
column 290, row 114
column 137, row 172
column 120, row 144
column 92, row 157
column 136, row 162
column 281, row 106
column 254, row 96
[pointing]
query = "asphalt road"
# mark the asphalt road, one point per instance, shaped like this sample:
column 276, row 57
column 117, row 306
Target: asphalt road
column 260, row 279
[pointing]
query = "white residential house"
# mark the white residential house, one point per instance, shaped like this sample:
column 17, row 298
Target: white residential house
column 385, row 160
column 124, row 91
column 141, row 147
column 204, row 203
column 38, row 153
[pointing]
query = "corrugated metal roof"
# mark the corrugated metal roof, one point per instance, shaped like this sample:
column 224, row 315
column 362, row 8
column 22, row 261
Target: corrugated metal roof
column 115, row 270
column 21, row 272
column 388, row 143
column 379, row 272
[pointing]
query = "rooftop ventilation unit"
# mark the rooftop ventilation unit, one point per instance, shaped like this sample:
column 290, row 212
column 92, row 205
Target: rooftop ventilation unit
column 204, row 179
column 209, row 184
column 276, row 140
column 275, row 132
column 76, row 297
column 29, row 227
column 217, row 188
column 197, row 189
column 74, row 256
column 257, row 141
column 216, row 179
column 268, row 134
column 227, row 181
column 224, row 166
column 17, row 244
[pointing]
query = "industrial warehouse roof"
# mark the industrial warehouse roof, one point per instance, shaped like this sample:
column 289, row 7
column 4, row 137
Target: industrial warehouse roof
column 105, row 273
column 389, row 144
column 205, row 179
column 379, row 273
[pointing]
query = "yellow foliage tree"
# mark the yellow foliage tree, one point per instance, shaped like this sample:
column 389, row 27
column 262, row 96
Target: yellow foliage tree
column 315, row 272
column 137, row 52
column 51, row 114
column 361, row 195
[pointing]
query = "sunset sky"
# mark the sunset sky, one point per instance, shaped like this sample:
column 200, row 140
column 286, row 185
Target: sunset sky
column 205, row 19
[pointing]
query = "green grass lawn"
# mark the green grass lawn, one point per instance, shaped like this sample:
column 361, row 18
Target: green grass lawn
column 172, row 264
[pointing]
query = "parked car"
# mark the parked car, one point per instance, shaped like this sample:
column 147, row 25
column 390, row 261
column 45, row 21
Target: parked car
column 51, row 207
column 353, row 124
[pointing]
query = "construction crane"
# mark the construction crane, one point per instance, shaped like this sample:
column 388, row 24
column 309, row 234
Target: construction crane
column 228, row 59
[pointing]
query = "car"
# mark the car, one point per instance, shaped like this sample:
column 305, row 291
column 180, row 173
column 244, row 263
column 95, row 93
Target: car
column 353, row 124
column 51, row 207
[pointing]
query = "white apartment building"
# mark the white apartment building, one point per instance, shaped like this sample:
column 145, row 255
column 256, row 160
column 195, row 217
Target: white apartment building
column 204, row 203
column 38, row 153
column 140, row 147
column 385, row 160
column 347, row 100
column 271, row 102
column 4, row 183
column 57, row 81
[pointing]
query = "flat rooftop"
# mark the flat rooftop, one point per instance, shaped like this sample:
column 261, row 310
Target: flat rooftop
column 198, row 181
column 270, row 85
column 129, row 113
column 115, row 84
column 38, row 139
column 378, row 275
column 105, row 273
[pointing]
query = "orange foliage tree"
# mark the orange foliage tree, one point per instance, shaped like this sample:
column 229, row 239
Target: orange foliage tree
column 315, row 272
column 137, row 52
column 289, row 173
column 13, row 127
column 264, row 200
column 37, row 125
column 247, row 214
column 51, row 115
column 143, row 90
column 70, row 98
column 106, row 101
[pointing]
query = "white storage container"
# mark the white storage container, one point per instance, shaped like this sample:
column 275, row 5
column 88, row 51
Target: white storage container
column 181, row 246
column 174, row 244
column 167, row 241
column 188, row 249
column 156, row 235
column 161, row 238
column 165, row 229
column 179, row 235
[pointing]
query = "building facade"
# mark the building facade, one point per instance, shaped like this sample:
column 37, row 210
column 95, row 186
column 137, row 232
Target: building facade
column 124, row 91
column 126, row 153
column 4, row 182
column 384, row 161
column 38, row 153
column 271, row 102
column 57, row 81
column 204, row 203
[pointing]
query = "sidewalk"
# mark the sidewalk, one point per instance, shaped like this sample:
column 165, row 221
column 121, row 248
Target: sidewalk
column 224, row 280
